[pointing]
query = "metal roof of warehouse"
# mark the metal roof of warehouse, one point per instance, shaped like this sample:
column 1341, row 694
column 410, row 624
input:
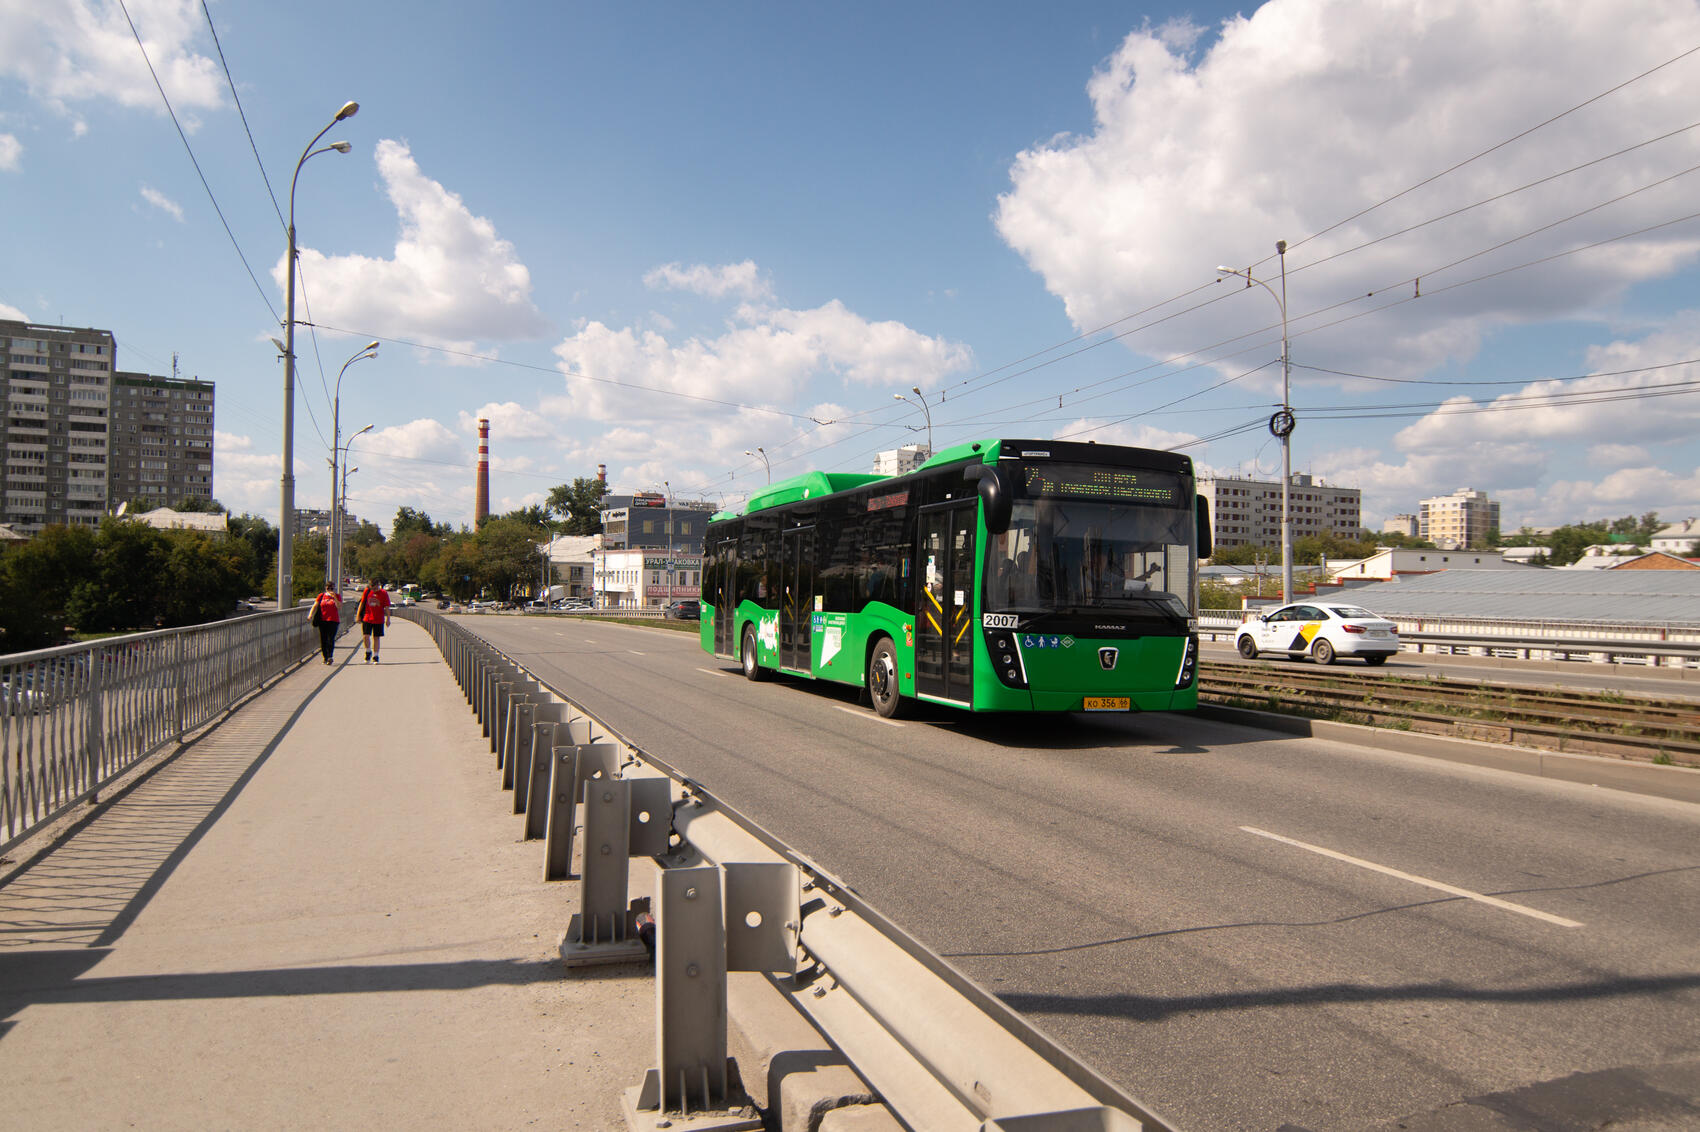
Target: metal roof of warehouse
column 1661, row 597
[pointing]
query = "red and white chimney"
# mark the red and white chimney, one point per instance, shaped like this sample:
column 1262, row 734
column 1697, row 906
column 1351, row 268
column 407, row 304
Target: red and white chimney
column 481, row 508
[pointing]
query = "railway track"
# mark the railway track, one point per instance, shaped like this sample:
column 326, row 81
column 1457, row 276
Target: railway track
column 1594, row 723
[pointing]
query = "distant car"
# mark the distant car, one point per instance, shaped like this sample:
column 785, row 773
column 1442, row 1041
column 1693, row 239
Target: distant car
column 475, row 606
column 682, row 610
column 443, row 603
column 1325, row 630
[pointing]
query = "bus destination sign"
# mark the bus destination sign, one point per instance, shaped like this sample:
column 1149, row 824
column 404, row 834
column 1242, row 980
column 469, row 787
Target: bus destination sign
column 1113, row 485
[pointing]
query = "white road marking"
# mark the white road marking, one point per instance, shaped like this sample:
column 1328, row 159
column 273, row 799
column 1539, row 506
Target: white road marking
column 1424, row 881
column 634, row 652
column 860, row 713
column 712, row 671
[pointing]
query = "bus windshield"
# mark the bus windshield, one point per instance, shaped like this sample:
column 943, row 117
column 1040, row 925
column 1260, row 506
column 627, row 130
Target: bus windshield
column 1085, row 556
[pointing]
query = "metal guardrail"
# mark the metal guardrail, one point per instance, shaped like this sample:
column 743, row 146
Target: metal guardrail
column 1590, row 642
column 943, row 1053
column 74, row 718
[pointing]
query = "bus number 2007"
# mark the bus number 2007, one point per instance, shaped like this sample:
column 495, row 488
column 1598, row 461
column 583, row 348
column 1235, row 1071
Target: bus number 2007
column 1000, row 620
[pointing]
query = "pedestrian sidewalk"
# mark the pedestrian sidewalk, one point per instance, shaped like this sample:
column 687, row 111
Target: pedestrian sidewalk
column 317, row 914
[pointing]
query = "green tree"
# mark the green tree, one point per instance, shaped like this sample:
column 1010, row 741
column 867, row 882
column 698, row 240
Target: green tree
column 407, row 521
column 36, row 580
column 261, row 538
column 203, row 578
column 508, row 556
column 578, row 505
column 127, row 587
column 1568, row 542
column 199, row 503
column 457, row 566
column 533, row 516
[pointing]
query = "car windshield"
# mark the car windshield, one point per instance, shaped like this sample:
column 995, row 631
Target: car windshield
column 1089, row 555
column 1350, row 611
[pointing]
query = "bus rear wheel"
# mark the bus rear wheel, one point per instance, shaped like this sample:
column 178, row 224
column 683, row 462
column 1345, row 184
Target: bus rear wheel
column 752, row 670
column 882, row 679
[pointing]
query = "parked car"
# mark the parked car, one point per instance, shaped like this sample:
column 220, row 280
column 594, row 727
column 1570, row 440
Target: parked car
column 1322, row 629
column 689, row 610
column 443, row 603
column 475, row 606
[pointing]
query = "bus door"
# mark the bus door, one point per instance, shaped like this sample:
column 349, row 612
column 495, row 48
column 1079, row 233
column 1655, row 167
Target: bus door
column 724, row 594
column 944, row 647
column 796, row 610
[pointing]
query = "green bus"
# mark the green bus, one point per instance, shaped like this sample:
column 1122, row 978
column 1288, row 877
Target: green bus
column 1003, row 575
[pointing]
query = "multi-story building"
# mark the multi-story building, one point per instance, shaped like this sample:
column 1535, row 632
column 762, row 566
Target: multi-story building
column 645, row 579
column 1461, row 519
column 317, row 521
column 645, row 520
column 897, row 461
column 57, row 385
column 1400, row 525
column 1247, row 512
column 161, row 440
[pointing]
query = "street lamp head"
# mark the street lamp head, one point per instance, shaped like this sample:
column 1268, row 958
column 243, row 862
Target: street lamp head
column 1220, row 270
column 281, row 348
column 341, row 147
column 370, row 346
column 915, row 389
column 349, row 110
column 898, row 397
column 368, row 428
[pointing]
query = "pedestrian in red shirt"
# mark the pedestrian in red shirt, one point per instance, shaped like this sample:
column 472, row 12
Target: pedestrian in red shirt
column 327, row 615
column 373, row 614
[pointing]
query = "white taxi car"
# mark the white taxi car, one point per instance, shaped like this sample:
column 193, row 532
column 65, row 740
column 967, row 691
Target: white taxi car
column 1323, row 629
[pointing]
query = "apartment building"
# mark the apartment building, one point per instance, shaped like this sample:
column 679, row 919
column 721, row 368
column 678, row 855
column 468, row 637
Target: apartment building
column 898, row 461
column 57, row 383
column 161, row 440
column 1247, row 512
column 645, row 520
column 1461, row 519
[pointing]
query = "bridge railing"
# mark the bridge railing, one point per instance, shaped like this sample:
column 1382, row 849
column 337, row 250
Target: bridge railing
column 942, row 1053
column 74, row 718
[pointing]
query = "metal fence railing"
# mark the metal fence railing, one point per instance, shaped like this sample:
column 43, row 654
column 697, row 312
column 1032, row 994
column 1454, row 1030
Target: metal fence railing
column 73, row 718
column 942, row 1053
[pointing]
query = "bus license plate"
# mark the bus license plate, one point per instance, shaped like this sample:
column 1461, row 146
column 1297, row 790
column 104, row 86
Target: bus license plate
column 1107, row 703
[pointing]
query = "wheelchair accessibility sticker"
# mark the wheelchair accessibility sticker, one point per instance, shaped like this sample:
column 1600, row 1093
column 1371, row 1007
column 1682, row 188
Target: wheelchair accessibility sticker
column 1044, row 641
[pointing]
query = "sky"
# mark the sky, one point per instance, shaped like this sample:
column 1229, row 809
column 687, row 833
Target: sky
column 660, row 237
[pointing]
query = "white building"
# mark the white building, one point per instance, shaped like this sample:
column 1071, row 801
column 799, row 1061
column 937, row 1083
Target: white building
column 645, row 578
column 572, row 563
column 1389, row 561
column 1678, row 538
column 897, row 461
column 1248, row 512
column 1400, row 525
column 1463, row 518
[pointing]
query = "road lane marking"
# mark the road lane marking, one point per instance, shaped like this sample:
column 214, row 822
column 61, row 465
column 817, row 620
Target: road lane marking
column 859, row 713
column 1424, row 881
column 714, row 671
column 634, row 652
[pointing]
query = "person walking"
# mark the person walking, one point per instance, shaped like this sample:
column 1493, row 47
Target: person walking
column 373, row 613
column 327, row 615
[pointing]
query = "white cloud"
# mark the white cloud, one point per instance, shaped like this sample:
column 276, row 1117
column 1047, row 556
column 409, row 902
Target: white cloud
column 509, row 421
column 13, row 313
column 77, row 51
column 453, row 281
column 1514, row 443
column 164, row 203
column 422, row 439
column 1309, row 111
column 741, row 279
column 766, row 357
column 11, row 149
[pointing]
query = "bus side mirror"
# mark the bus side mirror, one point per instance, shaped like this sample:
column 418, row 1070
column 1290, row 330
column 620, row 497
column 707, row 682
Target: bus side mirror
column 995, row 495
column 1205, row 546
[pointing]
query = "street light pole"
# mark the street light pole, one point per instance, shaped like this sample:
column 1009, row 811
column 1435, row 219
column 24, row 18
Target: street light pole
column 925, row 412
column 338, row 503
column 762, row 452
column 286, row 500
column 668, row 489
column 333, row 561
column 1282, row 423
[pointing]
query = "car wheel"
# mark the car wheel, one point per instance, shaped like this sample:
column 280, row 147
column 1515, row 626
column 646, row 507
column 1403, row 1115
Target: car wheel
column 882, row 679
column 1323, row 652
column 752, row 670
column 1375, row 659
column 1247, row 647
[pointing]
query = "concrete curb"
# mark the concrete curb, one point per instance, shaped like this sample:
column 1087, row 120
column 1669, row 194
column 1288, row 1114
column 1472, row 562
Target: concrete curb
column 1677, row 783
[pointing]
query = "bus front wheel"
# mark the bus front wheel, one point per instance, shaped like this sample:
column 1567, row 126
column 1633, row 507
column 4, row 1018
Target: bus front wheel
column 752, row 670
column 882, row 679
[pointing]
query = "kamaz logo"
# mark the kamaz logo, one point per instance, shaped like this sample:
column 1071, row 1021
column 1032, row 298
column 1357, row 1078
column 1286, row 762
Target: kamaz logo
column 1107, row 658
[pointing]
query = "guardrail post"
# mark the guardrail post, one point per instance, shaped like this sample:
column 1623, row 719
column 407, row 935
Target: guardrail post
column 692, row 1072
column 517, row 773
column 182, row 691
column 558, row 832
column 548, row 726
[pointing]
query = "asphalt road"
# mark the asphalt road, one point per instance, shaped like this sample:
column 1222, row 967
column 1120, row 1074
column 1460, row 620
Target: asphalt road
column 1243, row 930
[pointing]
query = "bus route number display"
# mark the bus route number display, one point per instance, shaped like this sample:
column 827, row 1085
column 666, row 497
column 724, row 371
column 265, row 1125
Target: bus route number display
column 1113, row 485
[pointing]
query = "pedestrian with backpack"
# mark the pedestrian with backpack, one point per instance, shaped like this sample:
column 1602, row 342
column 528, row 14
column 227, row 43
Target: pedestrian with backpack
column 327, row 615
column 373, row 613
